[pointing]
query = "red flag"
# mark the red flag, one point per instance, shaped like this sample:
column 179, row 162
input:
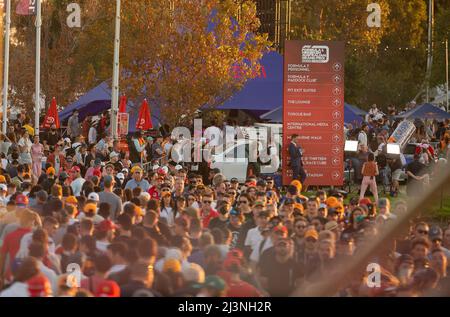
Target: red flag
column 52, row 116
column 123, row 104
column 26, row 7
column 144, row 120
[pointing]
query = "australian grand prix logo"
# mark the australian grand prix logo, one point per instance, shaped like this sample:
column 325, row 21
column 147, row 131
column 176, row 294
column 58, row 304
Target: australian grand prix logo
column 315, row 54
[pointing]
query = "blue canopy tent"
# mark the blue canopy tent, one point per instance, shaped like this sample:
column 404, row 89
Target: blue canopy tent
column 425, row 111
column 350, row 116
column 263, row 93
column 98, row 100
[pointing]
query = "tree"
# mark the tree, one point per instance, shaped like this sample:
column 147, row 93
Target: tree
column 179, row 56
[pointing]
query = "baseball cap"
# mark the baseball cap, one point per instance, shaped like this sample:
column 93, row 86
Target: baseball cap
column 269, row 178
column 106, row 225
column 90, row 207
column 235, row 212
column 51, row 171
column 311, row 233
column 435, row 233
column 120, row 176
column 212, row 281
column 172, row 265
column 216, row 170
column 281, row 229
column 39, row 286
column 75, row 169
column 97, row 173
column 331, row 225
column 135, row 169
column 21, row 200
column 108, row 288
column 125, row 170
column 2, row 179
column 194, row 273
column 113, row 154
column 365, row 201
column 3, row 187
column 262, row 183
column 71, row 200
column 93, row 196
column 178, row 167
column 297, row 185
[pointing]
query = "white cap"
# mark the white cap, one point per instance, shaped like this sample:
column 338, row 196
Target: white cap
column 173, row 253
column 67, row 140
column 194, row 273
column 3, row 187
column 178, row 167
column 120, row 176
column 93, row 196
column 145, row 195
column 113, row 154
column 155, row 167
column 125, row 170
column 165, row 169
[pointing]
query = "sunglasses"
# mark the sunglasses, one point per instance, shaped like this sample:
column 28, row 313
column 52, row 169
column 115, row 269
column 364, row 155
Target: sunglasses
column 209, row 202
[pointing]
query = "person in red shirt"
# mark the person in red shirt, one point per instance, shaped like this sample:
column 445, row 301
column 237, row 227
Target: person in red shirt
column 207, row 212
column 236, row 286
column 11, row 243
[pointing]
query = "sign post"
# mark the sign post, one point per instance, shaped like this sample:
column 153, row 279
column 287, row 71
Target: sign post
column 313, row 108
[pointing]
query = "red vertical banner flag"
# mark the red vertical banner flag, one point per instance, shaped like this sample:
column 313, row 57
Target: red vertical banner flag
column 123, row 104
column 144, row 121
column 52, row 116
column 313, row 108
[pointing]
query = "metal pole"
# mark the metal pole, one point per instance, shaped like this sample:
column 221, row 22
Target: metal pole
column 446, row 71
column 115, row 85
column 37, row 106
column 6, row 66
column 430, row 46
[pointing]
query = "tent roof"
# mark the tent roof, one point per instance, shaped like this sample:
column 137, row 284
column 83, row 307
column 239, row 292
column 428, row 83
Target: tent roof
column 276, row 115
column 98, row 100
column 262, row 93
column 425, row 111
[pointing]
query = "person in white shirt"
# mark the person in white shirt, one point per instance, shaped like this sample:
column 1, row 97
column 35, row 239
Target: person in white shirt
column 77, row 182
column 92, row 136
column 213, row 135
column 269, row 241
column 362, row 136
column 254, row 235
column 3, row 191
column 167, row 209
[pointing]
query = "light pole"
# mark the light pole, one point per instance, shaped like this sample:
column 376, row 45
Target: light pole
column 446, row 71
column 37, row 106
column 6, row 66
column 430, row 47
column 115, row 84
